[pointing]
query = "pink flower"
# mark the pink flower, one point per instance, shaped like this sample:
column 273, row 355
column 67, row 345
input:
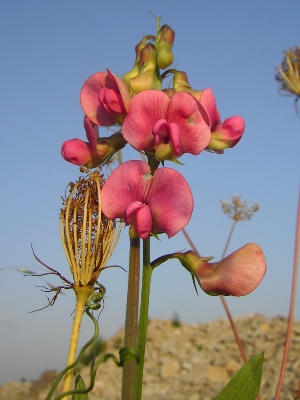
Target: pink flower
column 94, row 152
column 150, row 204
column 79, row 152
column 223, row 135
column 105, row 99
column 167, row 127
column 237, row 274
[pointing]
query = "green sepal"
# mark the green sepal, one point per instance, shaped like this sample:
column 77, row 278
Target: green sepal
column 175, row 161
column 79, row 385
column 246, row 382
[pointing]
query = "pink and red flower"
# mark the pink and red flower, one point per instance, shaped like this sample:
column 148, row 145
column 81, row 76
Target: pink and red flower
column 78, row 152
column 238, row 274
column 94, row 152
column 166, row 127
column 105, row 99
column 223, row 135
column 150, row 204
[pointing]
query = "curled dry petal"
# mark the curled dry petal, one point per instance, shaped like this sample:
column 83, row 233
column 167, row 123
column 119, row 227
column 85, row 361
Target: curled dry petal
column 159, row 203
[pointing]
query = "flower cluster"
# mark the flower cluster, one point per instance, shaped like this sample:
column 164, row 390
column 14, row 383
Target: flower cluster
column 162, row 124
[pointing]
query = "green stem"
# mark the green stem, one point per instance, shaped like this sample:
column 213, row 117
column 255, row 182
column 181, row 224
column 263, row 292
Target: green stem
column 131, row 322
column 144, row 310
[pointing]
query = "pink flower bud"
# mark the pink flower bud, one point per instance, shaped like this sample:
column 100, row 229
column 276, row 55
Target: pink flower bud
column 223, row 135
column 94, row 152
column 237, row 274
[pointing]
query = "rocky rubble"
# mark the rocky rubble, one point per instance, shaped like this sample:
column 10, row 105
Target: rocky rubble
column 189, row 361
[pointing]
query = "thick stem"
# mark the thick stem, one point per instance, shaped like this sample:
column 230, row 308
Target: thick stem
column 144, row 311
column 292, row 306
column 131, row 322
column 82, row 294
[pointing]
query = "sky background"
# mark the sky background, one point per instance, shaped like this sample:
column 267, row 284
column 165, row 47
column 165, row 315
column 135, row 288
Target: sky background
column 48, row 49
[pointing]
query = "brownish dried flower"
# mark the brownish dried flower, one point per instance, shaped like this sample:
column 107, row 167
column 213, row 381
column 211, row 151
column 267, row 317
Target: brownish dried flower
column 288, row 74
column 237, row 209
column 88, row 237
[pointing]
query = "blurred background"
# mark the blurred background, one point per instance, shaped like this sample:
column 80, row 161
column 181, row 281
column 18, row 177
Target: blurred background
column 48, row 49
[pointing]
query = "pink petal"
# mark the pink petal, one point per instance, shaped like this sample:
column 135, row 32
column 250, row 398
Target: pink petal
column 237, row 274
column 144, row 222
column 127, row 183
column 208, row 102
column 90, row 102
column 176, row 138
column 112, row 99
column 145, row 109
column 160, row 131
column 91, row 131
column 117, row 84
column 194, row 132
column 232, row 128
column 76, row 151
column 171, row 201
column 131, row 210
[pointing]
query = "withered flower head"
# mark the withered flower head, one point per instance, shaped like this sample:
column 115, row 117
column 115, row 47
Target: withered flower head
column 88, row 237
column 237, row 209
column 288, row 74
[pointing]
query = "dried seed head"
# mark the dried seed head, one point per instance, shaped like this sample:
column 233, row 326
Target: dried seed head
column 88, row 237
column 288, row 74
column 237, row 209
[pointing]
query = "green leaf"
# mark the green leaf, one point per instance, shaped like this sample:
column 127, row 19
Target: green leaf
column 79, row 385
column 246, row 382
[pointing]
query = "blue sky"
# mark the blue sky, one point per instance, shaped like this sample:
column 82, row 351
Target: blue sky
column 48, row 49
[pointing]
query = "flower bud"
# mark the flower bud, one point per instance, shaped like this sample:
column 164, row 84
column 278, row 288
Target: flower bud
column 227, row 134
column 145, row 80
column 165, row 56
column 170, row 92
column 88, row 237
column 237, row 274
column 135, row 69
column 108, row 146
column 181, row 84
column 96, row 151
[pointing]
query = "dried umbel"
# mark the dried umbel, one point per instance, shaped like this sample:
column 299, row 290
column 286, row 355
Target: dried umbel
column 288, row 74
column 237, row 209
column 88, row 237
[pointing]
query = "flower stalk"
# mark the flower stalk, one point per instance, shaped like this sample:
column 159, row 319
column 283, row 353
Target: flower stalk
column 144, row 311
column 88, row 240
column 82, row 295
column 131, row 322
